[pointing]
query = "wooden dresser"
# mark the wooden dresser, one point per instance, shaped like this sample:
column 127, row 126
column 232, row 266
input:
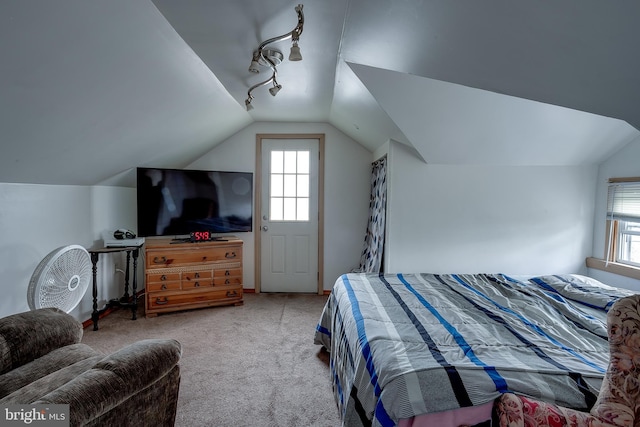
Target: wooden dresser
column 182, row 276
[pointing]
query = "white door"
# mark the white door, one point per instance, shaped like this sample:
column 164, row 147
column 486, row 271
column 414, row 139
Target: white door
column 289, row 215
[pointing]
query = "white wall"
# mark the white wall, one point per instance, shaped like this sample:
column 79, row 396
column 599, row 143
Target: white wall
column 111, row 208
column 624, row 163
column 472, row 219
column 347, row 173
column 36, row 219
column 517, row 220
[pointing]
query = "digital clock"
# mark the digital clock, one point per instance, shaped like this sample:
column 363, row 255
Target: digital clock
column 201, row 236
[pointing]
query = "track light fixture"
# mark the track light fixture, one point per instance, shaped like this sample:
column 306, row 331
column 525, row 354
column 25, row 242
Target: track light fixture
column 295, row 54
column 268, row 57
column 273, row 57
column 254, row 68
column 275, row 89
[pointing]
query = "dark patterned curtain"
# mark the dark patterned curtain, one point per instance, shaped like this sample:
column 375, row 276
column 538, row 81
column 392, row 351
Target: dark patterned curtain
column 371, row 259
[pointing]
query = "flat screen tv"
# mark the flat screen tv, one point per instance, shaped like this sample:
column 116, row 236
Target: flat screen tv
column 175, row 202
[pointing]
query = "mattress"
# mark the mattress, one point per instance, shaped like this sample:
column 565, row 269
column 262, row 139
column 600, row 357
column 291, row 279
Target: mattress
column 405, row 345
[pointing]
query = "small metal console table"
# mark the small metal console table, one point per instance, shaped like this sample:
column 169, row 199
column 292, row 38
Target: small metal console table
column 126, row 300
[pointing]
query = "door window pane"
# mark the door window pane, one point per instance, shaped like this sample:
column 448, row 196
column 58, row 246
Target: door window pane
column 303, row 186
column 277, row 186
column 277, row 162
column 289, row 209
column 276, row 213
column 290, row 185
column 303, row 162
column 290, row 161
column 303, row 209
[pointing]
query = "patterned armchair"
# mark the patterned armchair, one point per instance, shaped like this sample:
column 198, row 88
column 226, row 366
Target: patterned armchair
column 618, row 403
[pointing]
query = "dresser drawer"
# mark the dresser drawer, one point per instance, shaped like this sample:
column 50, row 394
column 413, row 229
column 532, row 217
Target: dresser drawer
column 163, row 286
column 197, row 279
column 169, row 258
column 226, row 272
column 197, row 275
column 173, row 299
column 162, row 281
column 196, row 284
column 231, row 280
column 163, row 277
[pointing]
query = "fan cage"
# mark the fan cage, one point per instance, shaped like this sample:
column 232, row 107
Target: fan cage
column 61, row 279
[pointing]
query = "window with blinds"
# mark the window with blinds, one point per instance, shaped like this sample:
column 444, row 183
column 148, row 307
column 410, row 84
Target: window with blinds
column 623, row 216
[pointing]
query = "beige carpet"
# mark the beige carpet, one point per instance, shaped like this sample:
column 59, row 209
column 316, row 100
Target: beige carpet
column 252, row 365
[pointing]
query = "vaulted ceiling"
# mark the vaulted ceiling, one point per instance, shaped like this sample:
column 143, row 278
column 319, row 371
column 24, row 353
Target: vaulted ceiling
column 93, row 89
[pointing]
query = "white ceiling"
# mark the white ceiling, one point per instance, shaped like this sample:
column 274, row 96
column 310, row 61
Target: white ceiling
column 93, row 89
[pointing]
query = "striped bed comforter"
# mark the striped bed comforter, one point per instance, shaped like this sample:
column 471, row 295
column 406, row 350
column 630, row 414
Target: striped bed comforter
column 408, row 344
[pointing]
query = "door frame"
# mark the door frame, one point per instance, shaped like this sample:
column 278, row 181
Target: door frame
column 258, row 203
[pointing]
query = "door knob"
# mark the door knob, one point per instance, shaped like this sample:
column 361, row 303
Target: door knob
column 265, row 228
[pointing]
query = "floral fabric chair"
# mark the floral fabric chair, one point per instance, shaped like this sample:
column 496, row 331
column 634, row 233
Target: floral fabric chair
column 618, row 404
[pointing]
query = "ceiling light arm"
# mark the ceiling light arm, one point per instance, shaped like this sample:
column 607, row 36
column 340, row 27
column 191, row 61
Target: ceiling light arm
column 257, row 85
column 274, row 90
column 294, row 35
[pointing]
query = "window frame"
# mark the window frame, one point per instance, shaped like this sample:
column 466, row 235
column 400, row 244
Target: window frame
column 626, row 229
column 610, row 262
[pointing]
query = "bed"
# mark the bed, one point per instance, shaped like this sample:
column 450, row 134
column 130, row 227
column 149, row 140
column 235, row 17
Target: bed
column 437, row 349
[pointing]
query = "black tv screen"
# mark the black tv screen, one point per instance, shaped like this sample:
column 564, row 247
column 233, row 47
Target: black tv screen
column 175, row 202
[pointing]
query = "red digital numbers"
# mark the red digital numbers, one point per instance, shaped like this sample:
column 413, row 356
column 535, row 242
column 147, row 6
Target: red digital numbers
column 200, row 236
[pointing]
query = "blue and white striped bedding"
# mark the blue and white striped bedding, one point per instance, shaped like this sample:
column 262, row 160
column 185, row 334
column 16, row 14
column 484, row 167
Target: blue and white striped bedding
column 408, row 344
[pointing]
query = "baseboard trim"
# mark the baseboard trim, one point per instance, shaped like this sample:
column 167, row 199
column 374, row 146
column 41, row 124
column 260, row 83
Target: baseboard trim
column 101, row 314
column 253, row 291
column 109, row 309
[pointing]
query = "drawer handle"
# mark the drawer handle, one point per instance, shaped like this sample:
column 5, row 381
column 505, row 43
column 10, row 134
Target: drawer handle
column 232, row 294
column 159, row 260
column 226, row 282
column 162, row 302
column 197, row 284
column 164, row 286
column 197, row 275
column 227, row 273
column 230, row 255
column 163, row 277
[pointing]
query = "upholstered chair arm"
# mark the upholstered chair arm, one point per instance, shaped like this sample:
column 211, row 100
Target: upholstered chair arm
column 145, row 373
column 619, row 397
column 27, row 336
column 511, row 410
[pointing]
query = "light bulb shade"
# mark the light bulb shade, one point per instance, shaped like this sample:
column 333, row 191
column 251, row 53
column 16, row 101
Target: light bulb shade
column 247, row 103
column 275, row 89
column 253, row 68
column 295, row 54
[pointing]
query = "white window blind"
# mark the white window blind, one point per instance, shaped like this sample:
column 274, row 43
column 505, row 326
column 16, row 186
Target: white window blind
column 623, row 201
